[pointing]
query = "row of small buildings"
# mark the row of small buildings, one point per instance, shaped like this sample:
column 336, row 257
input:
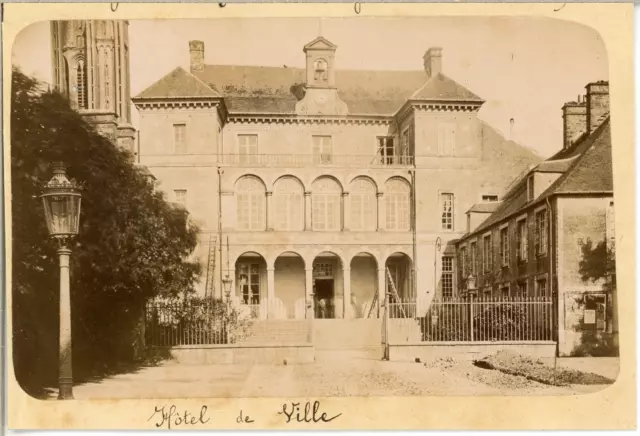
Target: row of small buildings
column 531, row 242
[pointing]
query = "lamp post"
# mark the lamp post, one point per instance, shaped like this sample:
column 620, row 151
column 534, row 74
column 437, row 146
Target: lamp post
column 61, row 199
column 471, row 285
column 226, row 282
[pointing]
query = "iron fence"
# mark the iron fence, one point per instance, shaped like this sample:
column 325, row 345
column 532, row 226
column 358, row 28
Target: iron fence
column 187, row 323
column 482, row 319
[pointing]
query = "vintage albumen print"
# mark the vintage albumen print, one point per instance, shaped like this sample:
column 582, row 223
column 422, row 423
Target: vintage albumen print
column 311, row 208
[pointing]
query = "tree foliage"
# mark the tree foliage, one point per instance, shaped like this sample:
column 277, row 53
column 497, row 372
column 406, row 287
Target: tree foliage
column 598, row 263
column 132, row 244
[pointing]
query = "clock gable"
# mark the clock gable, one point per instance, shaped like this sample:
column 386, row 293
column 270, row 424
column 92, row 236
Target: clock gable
column 321, row 96
column 320, row 55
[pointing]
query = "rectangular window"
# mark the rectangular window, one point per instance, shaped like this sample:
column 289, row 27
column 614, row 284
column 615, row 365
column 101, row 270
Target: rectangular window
column 522, row 237
column 386, row 150
column 322, row 149
column 463, row 263
column 406, row 138
column 447, row 276
column 505, row 291
column 180, row 138
column 248, row 148
column 504, row 246
column 180, row 196
column 530, row 191
column 541, row 287
column 489, row 197
column 473, row 258
column 522, row 289
column 541, row 233
column 446, row 139
column 249, row 282
column 446, row 204
column 487, row 255
column 322, row 271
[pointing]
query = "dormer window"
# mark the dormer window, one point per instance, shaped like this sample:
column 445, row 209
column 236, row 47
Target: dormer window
column 320, row 70
column 530, row 191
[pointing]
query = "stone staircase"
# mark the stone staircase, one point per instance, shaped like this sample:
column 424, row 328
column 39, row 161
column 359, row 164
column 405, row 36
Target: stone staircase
column 277, row 332
column 332, row 339
column 348, row 338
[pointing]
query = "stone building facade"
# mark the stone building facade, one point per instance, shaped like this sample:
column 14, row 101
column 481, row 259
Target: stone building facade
column 315, row 187
column 90, row 60
column 530, row 243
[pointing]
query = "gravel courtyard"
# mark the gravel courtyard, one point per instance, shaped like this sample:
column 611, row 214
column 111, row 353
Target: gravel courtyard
column 330, row 376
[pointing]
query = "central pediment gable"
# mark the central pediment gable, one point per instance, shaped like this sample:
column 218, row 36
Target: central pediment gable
column 320, row 43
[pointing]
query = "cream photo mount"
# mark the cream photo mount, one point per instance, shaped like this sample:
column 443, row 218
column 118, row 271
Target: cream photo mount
column 613, row 23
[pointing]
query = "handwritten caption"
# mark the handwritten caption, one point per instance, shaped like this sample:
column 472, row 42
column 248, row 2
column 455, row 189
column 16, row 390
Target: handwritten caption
column 291, row 412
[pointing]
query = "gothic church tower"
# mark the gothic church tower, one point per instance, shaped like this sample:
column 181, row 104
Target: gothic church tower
column 91, row 67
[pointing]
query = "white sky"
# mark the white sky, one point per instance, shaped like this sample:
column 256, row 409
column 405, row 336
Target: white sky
column 525, row 68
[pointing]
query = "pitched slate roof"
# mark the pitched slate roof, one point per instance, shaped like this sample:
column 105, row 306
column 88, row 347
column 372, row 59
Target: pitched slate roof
column 441, row 88
column 554, row 166
column 487, row 207
column 257, row 89
column 177, row 84
column 589, row 172
column 592, row 171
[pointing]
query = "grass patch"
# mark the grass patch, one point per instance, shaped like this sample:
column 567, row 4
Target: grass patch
column 535, row 369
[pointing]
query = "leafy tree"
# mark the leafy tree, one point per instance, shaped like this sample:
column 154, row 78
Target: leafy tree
column 132, row 244
column 598, row 262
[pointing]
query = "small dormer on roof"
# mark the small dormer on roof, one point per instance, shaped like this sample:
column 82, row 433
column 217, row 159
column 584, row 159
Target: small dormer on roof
column 320, row 63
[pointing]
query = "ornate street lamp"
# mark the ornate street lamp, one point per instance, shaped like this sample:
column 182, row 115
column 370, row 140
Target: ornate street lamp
column 471, row 285
column 61, row 199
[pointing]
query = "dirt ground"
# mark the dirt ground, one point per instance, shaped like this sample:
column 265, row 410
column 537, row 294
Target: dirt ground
column 326, row 378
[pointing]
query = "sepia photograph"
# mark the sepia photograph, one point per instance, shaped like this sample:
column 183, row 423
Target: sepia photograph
column 312, row 207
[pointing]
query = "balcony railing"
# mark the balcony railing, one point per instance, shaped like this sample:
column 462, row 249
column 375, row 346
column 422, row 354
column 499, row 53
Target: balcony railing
column 301, row 160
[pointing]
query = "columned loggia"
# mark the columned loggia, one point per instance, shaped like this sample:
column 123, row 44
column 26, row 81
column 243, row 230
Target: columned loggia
column 308, row 279
column 271, row 286
column 346, row 274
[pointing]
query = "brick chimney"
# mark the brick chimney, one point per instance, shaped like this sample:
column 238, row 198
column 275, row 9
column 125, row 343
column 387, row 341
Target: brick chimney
column 597, row 103
column 574, row 115
column 433, row 61
column 196, row 55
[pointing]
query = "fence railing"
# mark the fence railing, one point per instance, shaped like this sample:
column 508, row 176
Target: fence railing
column 273, row 309
column 314, row 160
column 483, row 319
column 186, row 323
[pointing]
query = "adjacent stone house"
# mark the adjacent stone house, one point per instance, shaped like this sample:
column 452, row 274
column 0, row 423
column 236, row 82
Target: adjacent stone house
column 530, row 243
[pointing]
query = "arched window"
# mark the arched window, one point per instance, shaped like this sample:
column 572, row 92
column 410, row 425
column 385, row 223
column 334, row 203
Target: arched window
column 362, row 197
column 397, row 194
column 250, row 199
column 325, row 201
column 288, row 204
column 82, row 85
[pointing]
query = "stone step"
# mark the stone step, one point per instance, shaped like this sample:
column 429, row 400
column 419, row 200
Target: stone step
column 277, row 332
column 342, row 334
